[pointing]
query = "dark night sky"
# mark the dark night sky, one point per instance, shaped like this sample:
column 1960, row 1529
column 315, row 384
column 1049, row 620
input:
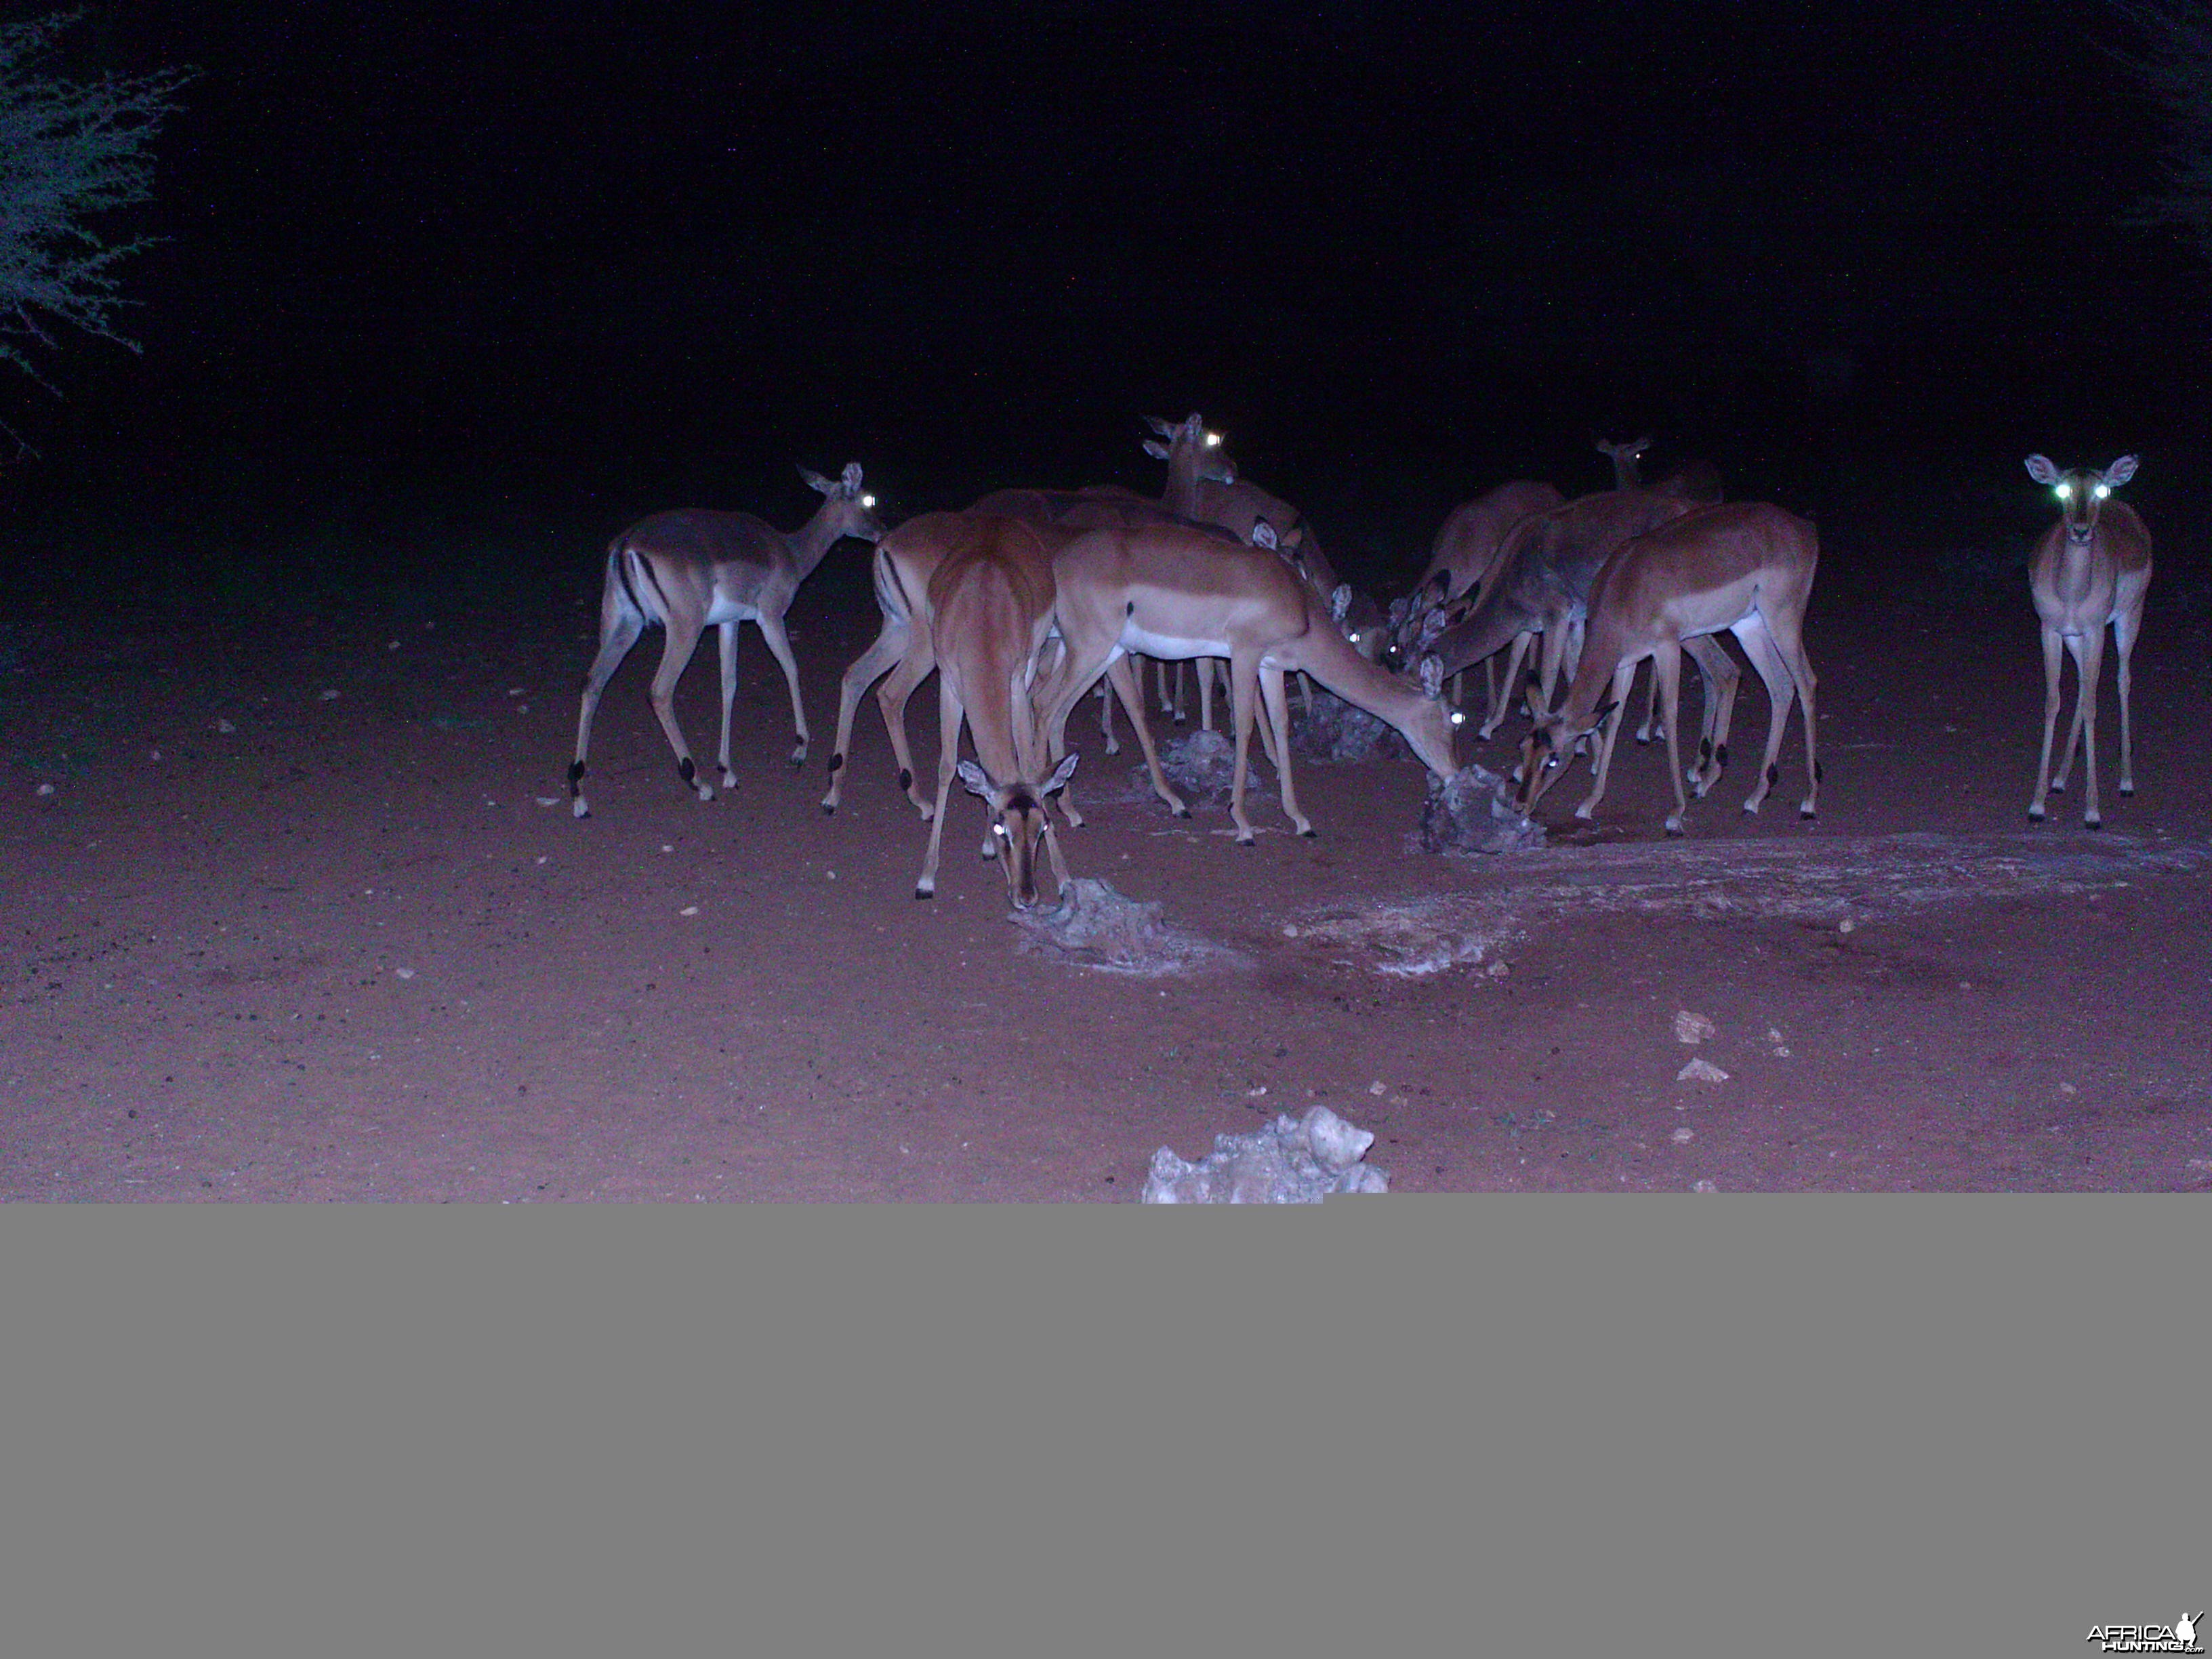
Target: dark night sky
column 970, row 245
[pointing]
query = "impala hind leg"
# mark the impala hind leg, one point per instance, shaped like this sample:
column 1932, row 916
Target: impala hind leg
column 779, row 641
column 867, row 668
column 675, row 658
column 1786, row 681
column 619, row 631
column 1275, row 707
column 915, row 665
column 1722, row 680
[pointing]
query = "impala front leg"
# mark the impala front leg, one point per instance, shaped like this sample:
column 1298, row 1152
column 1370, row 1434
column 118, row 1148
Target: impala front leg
column 727, row 644
column 683, row 639
column 772, row 630
column 2053, row 648
column 2088, row 669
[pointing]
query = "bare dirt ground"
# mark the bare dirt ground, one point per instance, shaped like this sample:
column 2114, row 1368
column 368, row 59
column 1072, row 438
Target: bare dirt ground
column 305, row 916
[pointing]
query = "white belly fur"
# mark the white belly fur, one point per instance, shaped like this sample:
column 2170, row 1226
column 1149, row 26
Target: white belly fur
column 1169, row 648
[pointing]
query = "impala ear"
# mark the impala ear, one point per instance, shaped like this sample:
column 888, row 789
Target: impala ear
column 816, row 481
column 1599, row 719
column 2120, row 471
column 1263, row 535
column 2040, row 468
column 1432, row 677
column 1339, row 604
column 1060, row 775
column 1531, row 690
column 851, row 479
column 1165, row 428
column 978, row 782
column 1156, row 449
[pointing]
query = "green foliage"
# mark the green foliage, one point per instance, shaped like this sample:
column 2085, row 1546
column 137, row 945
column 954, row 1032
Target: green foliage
column 70, row 152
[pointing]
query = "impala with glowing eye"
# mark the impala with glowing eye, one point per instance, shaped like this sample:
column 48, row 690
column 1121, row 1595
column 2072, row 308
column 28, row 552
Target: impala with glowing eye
column 2088, row 574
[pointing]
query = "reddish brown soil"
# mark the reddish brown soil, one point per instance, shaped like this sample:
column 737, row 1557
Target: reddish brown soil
column 357, row 948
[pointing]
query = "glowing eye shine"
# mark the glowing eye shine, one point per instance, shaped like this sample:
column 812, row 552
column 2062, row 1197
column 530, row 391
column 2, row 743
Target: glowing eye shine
column 1213, row 441
column 2103, row 490
column 2064, row 490
column 867, row 500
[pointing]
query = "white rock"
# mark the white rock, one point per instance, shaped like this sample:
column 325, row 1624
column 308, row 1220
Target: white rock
column 1701, row 1071
column 1693, row 1028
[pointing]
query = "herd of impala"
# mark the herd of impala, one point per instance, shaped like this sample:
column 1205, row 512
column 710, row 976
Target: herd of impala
column 1024, row 601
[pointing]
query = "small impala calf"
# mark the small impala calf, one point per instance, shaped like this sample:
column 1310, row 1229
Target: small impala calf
column 2090, row 570
column 689, row 571
column 1746, row 568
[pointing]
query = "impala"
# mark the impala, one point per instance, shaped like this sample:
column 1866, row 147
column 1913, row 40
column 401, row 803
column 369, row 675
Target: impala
column 2091, row 570
column 990, row 603
column 1461, row 555
column 1194, row 460
column 1173, row 593
column 1540, row 583
column 904, row 654
column 691, row 570
column 1746, row 568
column 1690, row 481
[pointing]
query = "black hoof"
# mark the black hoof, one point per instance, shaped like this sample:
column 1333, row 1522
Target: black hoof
column 1309, row 834
column 829, row 811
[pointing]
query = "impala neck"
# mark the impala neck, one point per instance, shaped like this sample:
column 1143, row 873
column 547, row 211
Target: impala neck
column 810, row 543
column 1185, row 464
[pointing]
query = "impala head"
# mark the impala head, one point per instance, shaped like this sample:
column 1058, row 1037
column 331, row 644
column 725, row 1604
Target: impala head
column 1434, row 729
column 1409, row 618
column 851, row 509
column 1213, row 463
column 1019, row 822
column 2081, row 492
column 1360, row 620
column 1544, row 751
column 1623, row 458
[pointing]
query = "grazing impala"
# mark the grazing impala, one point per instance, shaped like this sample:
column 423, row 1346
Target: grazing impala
column 689, row 571
column 1540, row 583
column 1173, row 593
column 1746, row 568
column 990, row 601
column 1464, row 551
column 2091, row 570
column 904, row 654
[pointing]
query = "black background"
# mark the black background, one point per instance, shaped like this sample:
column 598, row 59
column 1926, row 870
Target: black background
column 474, row 286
